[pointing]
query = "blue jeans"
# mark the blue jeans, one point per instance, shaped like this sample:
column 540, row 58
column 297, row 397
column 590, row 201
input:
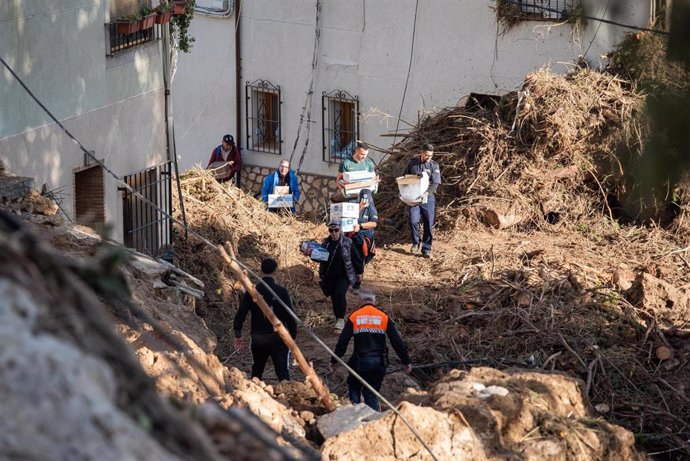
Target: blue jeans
column 426, row 212
column 372, row 369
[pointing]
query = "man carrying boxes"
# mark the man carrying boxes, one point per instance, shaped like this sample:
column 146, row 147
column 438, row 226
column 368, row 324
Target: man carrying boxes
column 355, row 174
column 280, row 189
column 423, row 206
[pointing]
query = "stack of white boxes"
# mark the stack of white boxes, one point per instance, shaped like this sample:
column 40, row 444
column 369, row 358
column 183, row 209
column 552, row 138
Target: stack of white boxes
column 346, row 214
column 355, row 181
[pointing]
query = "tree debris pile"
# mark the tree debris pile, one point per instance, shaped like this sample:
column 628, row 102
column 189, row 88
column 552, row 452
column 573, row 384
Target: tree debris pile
column 547, row 153
column 558, row 301
column 220, row 213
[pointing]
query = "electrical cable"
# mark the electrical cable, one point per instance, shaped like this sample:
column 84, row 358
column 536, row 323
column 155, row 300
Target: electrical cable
column 215, row 247
column 409, row 68
column 606, row 8
column 306, row 109
column 605, row 21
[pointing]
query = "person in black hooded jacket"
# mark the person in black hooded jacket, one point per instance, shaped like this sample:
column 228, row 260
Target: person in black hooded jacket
column 343, row 268
column 266, row 342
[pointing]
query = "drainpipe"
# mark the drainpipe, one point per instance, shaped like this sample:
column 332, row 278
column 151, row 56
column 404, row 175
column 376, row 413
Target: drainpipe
column 169, row 125
column 238, row 83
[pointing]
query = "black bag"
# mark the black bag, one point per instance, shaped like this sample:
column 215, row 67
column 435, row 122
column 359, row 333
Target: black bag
column 324, row 287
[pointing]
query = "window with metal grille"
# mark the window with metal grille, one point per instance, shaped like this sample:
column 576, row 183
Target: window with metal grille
column 541, row 10
column 263, row 117
column 146, row 227
column 340, row 121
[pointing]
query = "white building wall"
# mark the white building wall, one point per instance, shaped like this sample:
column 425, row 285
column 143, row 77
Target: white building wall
column 113, row 105
column 203, row 90
column 365, row 49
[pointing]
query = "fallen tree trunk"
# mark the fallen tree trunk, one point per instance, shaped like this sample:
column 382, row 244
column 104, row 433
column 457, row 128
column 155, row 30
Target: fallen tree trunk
column 279, row 328
column 501, row 221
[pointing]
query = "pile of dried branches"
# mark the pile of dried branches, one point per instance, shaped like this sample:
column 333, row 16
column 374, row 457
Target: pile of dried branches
column 220, row 213
column 546, row 153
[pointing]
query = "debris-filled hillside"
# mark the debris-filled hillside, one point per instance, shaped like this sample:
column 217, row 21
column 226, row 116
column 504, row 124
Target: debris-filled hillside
column 550, row 323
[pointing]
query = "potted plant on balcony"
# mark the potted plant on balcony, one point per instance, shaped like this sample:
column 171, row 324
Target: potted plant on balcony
column 179, row 7
column 148, row 17
column 164, row 13
column 128, row 24
column 179, row 25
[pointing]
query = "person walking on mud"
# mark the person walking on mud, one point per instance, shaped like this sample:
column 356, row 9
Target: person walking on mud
column 425, row 210
column 343, row 268
column 369, row 359
column 265, row 341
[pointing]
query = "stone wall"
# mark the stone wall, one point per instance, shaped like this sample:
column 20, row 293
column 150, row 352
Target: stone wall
column 315, row 189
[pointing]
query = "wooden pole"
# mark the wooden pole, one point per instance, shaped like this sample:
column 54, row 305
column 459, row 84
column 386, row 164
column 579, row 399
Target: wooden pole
column 279, row 328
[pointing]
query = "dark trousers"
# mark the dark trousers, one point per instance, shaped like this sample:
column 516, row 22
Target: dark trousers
column 372, row 370
column 338, row 286
column 265, row 345
column 426, row 212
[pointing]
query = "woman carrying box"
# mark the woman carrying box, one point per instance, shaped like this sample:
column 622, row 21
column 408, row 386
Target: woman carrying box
column 343, row 267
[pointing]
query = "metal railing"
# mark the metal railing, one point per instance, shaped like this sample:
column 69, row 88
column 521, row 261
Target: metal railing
column 546, row 10
column 123, row 42
column 147, row 228
column 263, row 117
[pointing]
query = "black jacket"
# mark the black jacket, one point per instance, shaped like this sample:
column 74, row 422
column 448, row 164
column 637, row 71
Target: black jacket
column 370, row 335
column 342, row 261
column 260, row 323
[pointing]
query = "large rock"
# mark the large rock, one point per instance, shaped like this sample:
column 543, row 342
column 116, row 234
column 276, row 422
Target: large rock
column 13, row 187
column 346, row 418
column 390, row 439
column 59, row 403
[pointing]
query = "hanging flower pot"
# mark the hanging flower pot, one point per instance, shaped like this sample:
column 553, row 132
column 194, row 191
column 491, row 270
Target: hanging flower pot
column 147, row 21
column 163, row 17
column 127, row 26
column 179, row 7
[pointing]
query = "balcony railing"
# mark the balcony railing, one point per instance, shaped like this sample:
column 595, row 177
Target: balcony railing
column 123, row 42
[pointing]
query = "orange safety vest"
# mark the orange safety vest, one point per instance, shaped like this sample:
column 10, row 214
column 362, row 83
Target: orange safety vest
column 369, row 319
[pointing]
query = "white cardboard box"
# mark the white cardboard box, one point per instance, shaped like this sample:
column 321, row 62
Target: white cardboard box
column 353, row 189
column 344, row 210
column 412, row 187
column 354, row 176
column 279, row 201
column 346, row 224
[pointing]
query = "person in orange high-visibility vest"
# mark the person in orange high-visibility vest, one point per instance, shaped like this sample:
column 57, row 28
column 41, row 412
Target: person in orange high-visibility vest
column 370, row 327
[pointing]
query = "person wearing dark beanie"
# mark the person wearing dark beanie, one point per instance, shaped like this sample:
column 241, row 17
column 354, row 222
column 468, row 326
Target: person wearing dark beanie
column 266, row 342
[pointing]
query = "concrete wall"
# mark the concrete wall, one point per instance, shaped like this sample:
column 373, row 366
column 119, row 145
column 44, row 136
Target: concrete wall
column 365, row 48
column 112, row 105
column 203, row 90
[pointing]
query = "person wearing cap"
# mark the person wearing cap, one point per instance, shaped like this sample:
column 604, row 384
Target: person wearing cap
column 283, row 177
column 265, row 341
column 343, row 268
column 363, row 234
column 427, row 208
column 359, row 161
column 370, row 326
column 228, row 153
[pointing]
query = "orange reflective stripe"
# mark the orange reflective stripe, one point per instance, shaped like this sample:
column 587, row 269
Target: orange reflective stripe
column 368, row 319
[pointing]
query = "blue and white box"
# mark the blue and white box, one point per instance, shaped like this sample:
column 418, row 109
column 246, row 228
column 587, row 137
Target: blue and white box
column 279, row 201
